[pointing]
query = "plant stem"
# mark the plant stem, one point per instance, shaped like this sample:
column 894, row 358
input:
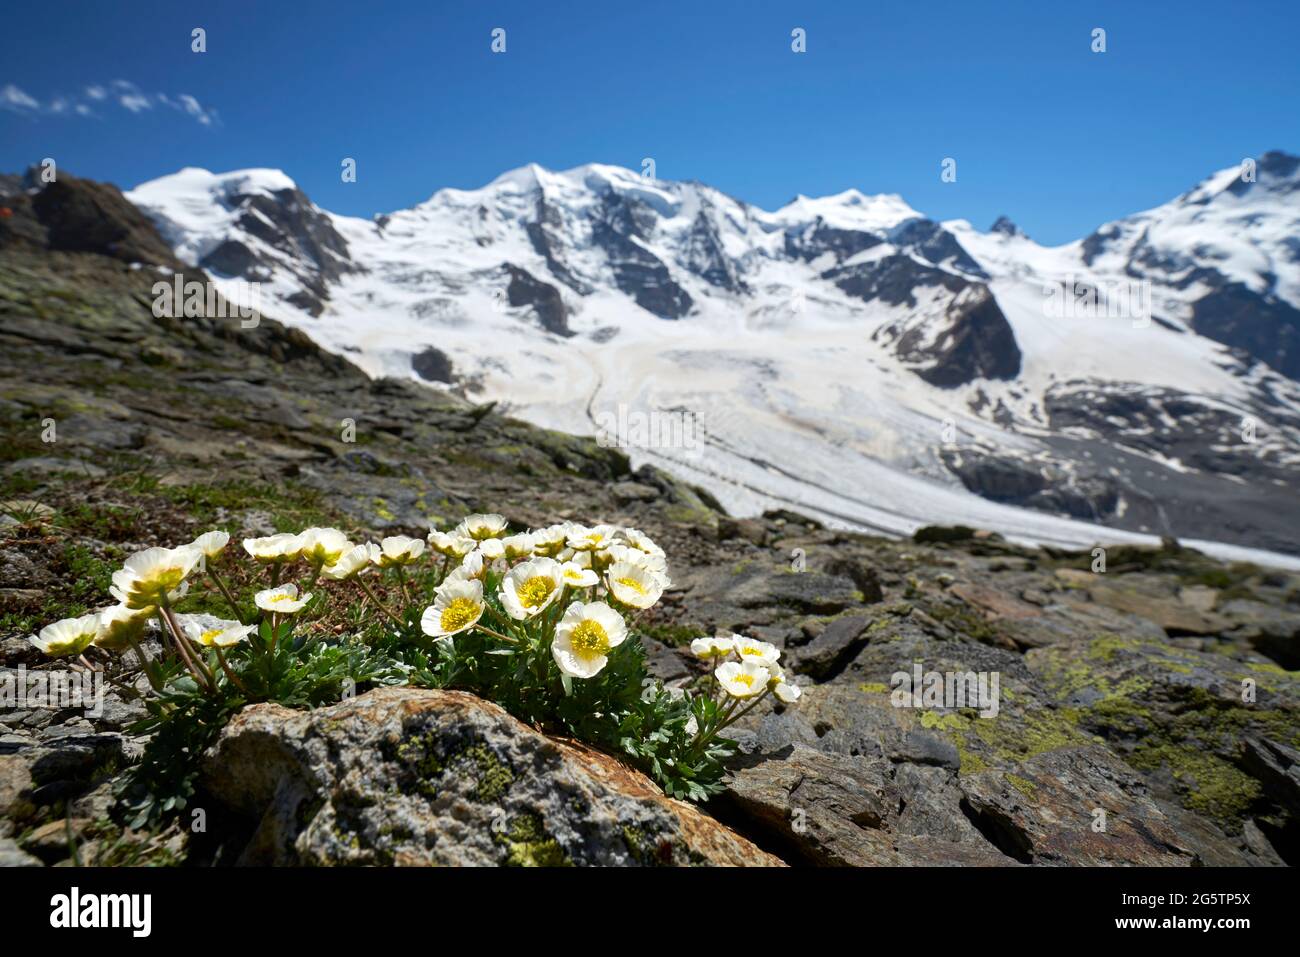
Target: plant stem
column 225, row 591
column 145, row 664
column 401, row 580
column 378, row 604
column 229, row 674
column 732, row 719
column 496, row 634
column 182, row 648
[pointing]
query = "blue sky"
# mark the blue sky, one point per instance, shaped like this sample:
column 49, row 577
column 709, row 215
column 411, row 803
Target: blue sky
column 1043, row 129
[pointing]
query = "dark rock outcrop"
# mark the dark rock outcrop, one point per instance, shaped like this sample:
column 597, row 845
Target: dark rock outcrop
column 79, row 215
column 542, row 297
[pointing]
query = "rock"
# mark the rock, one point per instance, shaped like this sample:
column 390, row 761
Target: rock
column 838, row 810
column 1200, row 597
column 15, row 778
column 1272, row 631
column 11, row 855
column 1071, row 621
column 410, row 777
column 50, row 841
column 803, row 591
column 829, row 807
column 864, row 576
column 747, row 529
column 1137, row 597
column 1217, row 736
column 432, row 365
column 994, row 602
column 627, row 492
column 527, row 290
column 838, row 642
column 1048, row 812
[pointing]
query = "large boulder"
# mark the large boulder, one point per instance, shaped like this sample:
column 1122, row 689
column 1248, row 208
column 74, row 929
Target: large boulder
column 415, row 777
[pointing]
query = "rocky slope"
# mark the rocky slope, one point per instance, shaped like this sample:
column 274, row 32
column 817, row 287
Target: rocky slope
column 1121, row 692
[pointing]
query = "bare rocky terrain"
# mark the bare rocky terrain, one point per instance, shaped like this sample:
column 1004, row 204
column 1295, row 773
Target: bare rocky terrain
column 1121, row 692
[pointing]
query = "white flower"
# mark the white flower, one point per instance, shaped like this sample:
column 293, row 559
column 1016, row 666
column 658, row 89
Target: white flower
column 787, row 691
column 283, row 600
column 324, row 546
column 529, row 588
column 759, row 652
column 457, row 606
column 584, row 637
column 119, row 626
column 618, row 552
column 491, row 548
column 784, row 690
column 154, row 576
column 742, row 680
column 451, row 544
column 274, row 549
column 481, row 527
column 717, row 647
column 518, row 546
column 471, row 566
column 67, row 637
column 211, row 544
column 352, row 563
column 575, row 576
column 634, row 585
column 213, row 632
column 585, row 539
column 550, row 540
column 692, row 726
column 399, row 550
column 641, row 541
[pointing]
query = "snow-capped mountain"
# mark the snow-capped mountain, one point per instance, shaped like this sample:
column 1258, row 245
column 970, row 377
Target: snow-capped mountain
column 843, row 355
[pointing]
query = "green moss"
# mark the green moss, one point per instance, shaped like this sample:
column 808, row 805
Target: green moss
column 951, row 721
column 1023, row 785
column 1209, row 784
column 874, row 687
column 494, row 776
column 529, row 844
column 1004, row 741
column 1106, row 647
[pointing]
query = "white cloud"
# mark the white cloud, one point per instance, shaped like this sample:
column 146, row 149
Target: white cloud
column 12, row 98
column 121, row 93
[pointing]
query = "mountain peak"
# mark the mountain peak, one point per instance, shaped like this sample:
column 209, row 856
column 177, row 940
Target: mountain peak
column 850, row 209
column 1006, row 227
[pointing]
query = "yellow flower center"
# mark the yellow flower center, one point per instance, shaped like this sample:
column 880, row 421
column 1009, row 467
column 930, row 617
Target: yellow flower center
column 459, row 613
column 589, row 639
column 743, row 679
column 573, row 575
column 281, row 597
column 534, row 592
column 633, row 584
column 208, row 635
column 751, row 650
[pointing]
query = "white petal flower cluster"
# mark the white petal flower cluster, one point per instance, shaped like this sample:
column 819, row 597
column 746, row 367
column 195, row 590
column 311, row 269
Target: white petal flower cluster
column 746, row 667
column 573, row 582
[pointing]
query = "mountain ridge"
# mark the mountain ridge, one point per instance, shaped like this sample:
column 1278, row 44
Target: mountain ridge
column 615, row 291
